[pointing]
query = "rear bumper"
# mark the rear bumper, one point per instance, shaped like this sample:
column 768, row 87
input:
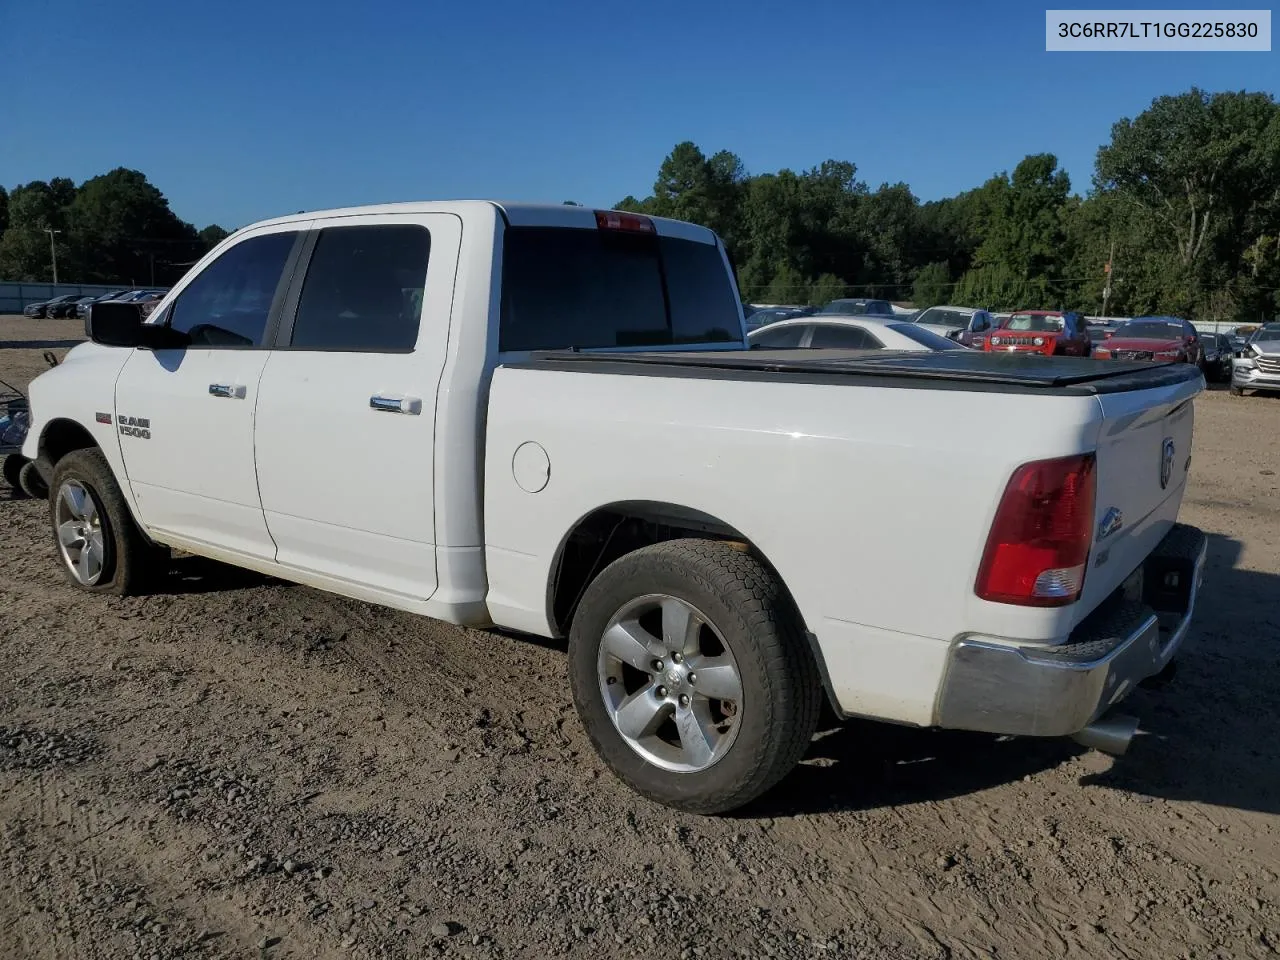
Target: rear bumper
column 1059, row 690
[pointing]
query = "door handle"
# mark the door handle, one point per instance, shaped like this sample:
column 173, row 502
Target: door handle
column 236, row 391
column 409, row 405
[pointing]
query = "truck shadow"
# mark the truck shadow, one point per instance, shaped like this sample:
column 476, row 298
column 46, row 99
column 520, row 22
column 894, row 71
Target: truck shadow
column 39, row 344
column 1212, row 736
column 194, row 575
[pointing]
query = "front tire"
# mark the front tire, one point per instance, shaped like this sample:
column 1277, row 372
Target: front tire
column 691, row 675
column 99, row 547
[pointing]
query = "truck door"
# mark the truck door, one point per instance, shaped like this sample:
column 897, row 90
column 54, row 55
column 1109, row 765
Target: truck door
column 346, row 416
column 185, row 416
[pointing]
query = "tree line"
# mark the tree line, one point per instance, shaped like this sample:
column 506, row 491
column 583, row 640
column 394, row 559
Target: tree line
column 113, row 228
column 1184, row 206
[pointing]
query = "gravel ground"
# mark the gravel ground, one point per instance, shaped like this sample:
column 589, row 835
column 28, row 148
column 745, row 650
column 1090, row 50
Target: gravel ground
column 239, row 767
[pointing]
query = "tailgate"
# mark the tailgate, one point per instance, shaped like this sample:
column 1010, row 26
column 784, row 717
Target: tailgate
column 1144, row 453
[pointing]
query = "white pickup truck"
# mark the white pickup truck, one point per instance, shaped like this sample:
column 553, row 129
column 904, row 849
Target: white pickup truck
column 547, row 419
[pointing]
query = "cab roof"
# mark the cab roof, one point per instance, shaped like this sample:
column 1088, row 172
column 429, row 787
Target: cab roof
column 515, row 213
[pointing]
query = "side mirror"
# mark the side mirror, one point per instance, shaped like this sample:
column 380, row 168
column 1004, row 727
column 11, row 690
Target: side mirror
column 118, row 324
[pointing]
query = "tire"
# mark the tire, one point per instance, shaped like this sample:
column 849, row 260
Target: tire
column 126, row 563
column 1236, row 391
column 748, row 622
column 12, row 470
column 32, row 483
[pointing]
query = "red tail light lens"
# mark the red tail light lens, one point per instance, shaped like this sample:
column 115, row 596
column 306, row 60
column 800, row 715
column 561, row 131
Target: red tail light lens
column 629, row 222
column 1038, row 548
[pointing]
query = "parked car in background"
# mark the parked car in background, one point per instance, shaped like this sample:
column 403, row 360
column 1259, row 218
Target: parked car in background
column 1258, row 366
column 1154, row 338
column 968, row 326
column 65, row 309
column 848, row 333
column 81, row 307
column 767, row 315
column 139, row 296
column 37, row 311
column 1048, row 332
column 1217, row 356
column 858, row 307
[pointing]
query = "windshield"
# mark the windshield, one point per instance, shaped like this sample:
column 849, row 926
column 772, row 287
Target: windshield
column 1039, row 322
column 1146, row 330
column 944, row 318
column 570, row 287
column 1270, row 331
column 926, row 338
column 857, row 308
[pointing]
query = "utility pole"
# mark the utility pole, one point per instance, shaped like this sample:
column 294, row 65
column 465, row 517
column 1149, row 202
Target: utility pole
column 1106, row 288
column 53, row 253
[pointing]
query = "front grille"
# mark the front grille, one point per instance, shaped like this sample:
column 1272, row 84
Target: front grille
column 1269, row 364
column 1006, row 341
column 1133, row 354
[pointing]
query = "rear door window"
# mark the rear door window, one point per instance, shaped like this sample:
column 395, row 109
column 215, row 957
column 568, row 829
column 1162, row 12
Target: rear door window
column 363, row 291
column 567, row 287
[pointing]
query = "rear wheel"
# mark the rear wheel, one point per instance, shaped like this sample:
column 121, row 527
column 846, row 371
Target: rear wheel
column 99, row 546
column 691, row 675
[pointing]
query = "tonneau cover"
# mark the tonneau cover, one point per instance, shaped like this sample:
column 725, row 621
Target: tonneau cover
column 942, row 369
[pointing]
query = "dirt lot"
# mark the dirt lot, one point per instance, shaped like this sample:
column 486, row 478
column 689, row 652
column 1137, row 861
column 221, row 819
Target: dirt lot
column 239, row 767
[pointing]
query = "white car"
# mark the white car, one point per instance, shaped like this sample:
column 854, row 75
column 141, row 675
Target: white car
column 548, row 419
column 848, row 333
column 966, row 325
column 1257, row 367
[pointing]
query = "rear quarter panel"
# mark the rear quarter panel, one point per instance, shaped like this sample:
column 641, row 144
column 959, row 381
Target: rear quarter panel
column 872, row 503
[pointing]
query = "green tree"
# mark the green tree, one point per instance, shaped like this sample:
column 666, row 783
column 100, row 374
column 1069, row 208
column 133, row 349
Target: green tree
column 1025, row 229
column 4, row 210
column 1193, row 161
column 213, row 235
column 932, row 285
column 826, row 288
column 123, row 230
column 787, row 286
column 34, row 209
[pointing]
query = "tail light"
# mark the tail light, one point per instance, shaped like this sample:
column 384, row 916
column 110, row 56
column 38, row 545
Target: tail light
column 628, row 222
column 1039, row 543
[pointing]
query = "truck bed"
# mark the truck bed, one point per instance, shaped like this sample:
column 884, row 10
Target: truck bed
column 941, row 370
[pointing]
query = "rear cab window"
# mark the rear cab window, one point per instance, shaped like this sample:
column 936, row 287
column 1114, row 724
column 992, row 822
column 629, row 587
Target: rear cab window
column 566, row 287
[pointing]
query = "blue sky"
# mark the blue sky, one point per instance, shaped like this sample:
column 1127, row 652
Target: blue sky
column 244, row 109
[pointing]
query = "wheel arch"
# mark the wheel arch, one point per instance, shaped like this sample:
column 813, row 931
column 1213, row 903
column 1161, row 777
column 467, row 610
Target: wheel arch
column 59, row 437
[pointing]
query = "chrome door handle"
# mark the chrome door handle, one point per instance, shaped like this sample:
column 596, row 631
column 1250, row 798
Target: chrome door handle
column 236, row 391
column 409, row 405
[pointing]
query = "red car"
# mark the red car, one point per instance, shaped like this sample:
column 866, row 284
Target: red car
column 1050, row 332
column 1153, row 338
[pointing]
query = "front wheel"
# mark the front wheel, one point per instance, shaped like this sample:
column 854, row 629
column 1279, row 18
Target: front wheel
column 691, row 675
column 98, row 545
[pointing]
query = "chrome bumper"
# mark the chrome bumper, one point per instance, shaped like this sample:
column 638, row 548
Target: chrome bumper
column 1057, row 690
column 1249, row 374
